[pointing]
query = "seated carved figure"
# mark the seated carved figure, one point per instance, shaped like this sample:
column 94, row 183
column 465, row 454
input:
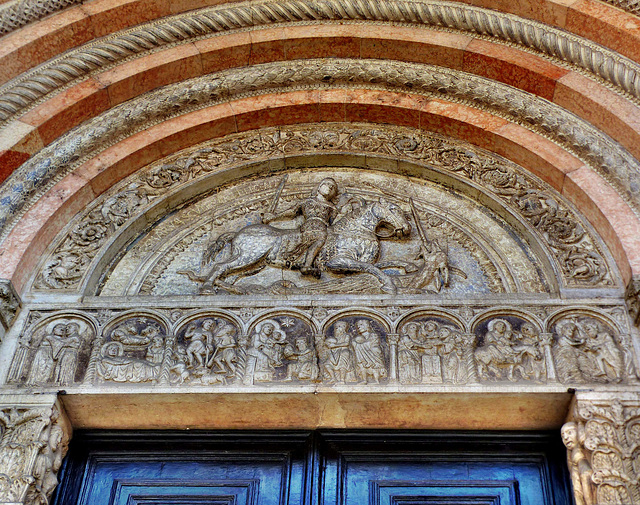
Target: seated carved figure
column 498, row 355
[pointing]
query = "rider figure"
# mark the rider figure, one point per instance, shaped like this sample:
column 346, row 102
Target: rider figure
column 318, row 212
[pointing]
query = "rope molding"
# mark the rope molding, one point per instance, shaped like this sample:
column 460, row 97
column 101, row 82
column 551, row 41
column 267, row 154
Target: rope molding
column 31, row 87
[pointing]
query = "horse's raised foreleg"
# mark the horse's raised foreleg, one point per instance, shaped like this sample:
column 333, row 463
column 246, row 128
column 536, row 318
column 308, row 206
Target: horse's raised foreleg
column 342, row 264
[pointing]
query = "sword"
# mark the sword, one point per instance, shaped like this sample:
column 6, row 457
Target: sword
column 274, row 203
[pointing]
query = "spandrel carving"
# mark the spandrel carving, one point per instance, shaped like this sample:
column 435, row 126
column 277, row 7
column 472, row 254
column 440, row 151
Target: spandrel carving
column 55, row 353
column 509, row 348
column 133, row 351
column 588, row 350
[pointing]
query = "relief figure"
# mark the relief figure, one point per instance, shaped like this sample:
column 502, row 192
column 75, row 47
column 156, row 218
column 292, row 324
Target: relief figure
column 579, row 466
column 115, row 366
column 265, row 352
column 303, row 362
column 409, row 369
column 367, row 351
column 225, row 356
column 56, row 358
column 346, row 242
column 338, row 361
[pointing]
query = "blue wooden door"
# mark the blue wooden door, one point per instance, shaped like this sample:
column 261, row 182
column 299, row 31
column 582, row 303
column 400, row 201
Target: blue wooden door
column 314, row 468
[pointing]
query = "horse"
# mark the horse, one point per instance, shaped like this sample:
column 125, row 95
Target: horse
column 352, row 246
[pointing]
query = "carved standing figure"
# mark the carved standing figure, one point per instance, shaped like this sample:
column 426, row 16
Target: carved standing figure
column 604, row 352
column 408, row 357
column 44, row 362
column 567, row 351
column 67, row 359
column 339, row 362
column 579, row 465
column 368, row 353
column 225, row 355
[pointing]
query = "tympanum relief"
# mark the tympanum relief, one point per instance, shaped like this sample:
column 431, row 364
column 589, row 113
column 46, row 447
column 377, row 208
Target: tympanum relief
column 443, row 245
column 329, row 346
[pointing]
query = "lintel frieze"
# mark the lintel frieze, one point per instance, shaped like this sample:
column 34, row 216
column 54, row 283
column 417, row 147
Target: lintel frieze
column 365, row 342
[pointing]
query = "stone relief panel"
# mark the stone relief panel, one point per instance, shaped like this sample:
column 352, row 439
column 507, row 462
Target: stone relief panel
column 131, row 351
column 55, row 353
column 328, row 345
column 206, row 351
column 355, row 349
column 588, row 350
column 510, row 348
column 368, row 235
column 267, row 203
column 432, row 350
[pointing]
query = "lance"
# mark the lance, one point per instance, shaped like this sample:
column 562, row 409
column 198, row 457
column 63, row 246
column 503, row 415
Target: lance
column 423, row 236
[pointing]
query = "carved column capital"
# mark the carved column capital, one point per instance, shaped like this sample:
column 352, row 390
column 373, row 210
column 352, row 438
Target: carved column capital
column 632, row 296
column 35, row 437
column 602, row 437
column 9, row 303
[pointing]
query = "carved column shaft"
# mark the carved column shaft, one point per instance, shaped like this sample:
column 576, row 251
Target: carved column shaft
column 35, row 438
column 602, row 437
column 546, row 342
column 392, row 340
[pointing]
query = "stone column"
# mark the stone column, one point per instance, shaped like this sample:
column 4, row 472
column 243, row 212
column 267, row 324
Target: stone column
column 602, row 436
column 392, row 340
column 469, row 360
column 546, row 340
column 35, row 437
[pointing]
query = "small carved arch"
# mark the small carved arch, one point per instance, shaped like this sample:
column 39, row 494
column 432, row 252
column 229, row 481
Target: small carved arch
column 163, row 321
column 281, row 311
column 504, row 313
column 605, row 319
column 36, row 365
column 220, row 313
column 379, row 318
column 442, row 314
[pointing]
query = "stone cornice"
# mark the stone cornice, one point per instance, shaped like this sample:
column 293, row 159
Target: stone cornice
column 61, row 157
column 33, row 86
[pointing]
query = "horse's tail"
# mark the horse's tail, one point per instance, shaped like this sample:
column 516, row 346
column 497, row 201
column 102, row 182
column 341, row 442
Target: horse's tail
column 212, row 249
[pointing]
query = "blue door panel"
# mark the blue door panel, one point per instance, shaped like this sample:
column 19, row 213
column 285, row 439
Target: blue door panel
column 313, row 468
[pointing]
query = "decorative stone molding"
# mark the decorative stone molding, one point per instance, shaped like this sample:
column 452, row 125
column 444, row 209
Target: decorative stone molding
column 35, row 437
column 633, row 299
column 16, row 14
column 603, row 444
column 351, row 344
column 185, row 28
column 9, row 303
column 607, row 157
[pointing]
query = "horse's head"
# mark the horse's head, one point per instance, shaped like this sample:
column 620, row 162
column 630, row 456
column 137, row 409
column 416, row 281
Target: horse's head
column 391, row 218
